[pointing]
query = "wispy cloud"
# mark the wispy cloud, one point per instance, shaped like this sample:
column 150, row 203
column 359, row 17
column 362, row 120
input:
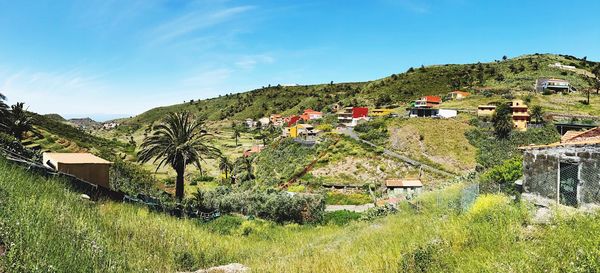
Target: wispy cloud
column 195, row 21
column 416, row 6
column 250, row 61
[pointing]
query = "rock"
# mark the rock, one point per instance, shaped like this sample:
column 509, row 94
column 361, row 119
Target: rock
column 230, row 268
column 85, row 197
column 542, row 215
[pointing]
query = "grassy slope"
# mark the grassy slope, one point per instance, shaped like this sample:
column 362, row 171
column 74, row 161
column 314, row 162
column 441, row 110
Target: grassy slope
column 49, row 229
column 441, row 142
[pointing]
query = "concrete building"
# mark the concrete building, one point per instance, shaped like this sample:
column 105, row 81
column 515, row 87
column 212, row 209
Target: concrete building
column 399, row 187
column 276, row 119
column 427, row 102
column 84, row 166
column 351, row 116
column 432, row 112
column 550, row 85
column 566, row 172
column 458, row 95
column 486, row 110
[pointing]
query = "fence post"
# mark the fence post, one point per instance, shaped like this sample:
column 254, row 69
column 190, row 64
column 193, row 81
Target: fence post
column 558, row 181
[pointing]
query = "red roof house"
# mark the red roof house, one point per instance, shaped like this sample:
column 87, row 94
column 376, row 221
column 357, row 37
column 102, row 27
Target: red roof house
column 360, row 112
column 293, row 120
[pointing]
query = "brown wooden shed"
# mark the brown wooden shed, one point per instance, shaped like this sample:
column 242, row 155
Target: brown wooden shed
column 84, row 166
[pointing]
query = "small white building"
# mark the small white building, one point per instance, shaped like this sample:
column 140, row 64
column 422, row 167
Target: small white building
column 399, row 187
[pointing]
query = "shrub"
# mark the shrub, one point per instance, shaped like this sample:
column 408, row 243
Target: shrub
column 502, row 177
column 277, row 206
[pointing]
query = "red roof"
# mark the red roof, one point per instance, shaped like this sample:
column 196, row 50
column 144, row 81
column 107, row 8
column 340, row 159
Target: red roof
column 360, row 112
column 432, row 99
column 293, row 119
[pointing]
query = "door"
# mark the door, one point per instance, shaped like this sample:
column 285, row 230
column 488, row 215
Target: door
column 569, row 180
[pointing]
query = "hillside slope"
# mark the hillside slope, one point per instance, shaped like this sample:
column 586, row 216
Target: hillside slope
column 60, row 232
column 517, row 74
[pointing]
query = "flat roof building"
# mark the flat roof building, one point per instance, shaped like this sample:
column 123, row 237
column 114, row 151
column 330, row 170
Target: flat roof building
column 84, row 166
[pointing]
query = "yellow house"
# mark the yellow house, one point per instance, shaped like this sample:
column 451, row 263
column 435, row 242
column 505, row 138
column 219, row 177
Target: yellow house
column 520, row 114
column 299, row 129
column 486, row 110
column 380, row 112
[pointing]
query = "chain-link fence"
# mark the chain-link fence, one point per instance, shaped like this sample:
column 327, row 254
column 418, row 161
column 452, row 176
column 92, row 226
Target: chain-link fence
column 568, row 181
column 457, row 198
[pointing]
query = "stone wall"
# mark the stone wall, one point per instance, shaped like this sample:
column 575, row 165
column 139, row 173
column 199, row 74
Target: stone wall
column 541, row 170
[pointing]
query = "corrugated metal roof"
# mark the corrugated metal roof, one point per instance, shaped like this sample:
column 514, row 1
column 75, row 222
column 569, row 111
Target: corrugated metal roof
column 76, row 158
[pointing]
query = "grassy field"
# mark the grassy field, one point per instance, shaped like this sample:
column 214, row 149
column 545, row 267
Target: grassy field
column 47, row 228
column 440, row 142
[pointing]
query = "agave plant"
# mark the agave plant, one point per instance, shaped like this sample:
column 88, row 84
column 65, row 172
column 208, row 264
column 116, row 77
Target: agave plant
column 179, row 141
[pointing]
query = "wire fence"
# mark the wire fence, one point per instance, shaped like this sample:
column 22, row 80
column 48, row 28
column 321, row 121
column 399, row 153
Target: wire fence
column 568, row 181
column 458, row 199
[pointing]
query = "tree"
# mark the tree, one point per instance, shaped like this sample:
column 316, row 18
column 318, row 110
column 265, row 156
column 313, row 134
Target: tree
column 502, row 121
column 383, row 100
column 236, row 135
column 179, row 141
column 19, row 121
column 236, row 132
column 504, row 58
column 3, row 113
column 537, row 113
column 243, row 169
column 225, row 166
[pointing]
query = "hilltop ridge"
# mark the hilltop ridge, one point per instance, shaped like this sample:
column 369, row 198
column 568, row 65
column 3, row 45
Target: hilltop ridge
column 501, row 76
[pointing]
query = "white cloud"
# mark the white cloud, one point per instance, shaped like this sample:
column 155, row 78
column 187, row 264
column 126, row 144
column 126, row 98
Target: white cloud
column 250, row 61
column 194, row 21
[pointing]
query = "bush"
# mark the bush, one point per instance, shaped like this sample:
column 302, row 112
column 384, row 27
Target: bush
column 502, row 177
column 132, row 179
column 277, row 206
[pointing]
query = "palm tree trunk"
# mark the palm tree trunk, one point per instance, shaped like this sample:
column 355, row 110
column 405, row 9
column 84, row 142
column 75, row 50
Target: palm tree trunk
column 179, row 184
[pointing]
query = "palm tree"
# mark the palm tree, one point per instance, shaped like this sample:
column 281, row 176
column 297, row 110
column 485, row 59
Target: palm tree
column 225, row 166
column 236, row 135
column 502, row 122
column 19, row 121
column 537, row 113
column 178, row 142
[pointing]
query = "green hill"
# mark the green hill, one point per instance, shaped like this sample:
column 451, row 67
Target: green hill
column 516, row 74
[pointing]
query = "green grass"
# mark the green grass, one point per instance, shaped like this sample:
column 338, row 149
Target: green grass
column 440, row 142
column 48, row 228
column 335, row 198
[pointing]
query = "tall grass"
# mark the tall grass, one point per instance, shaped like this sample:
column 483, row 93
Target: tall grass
column 47, row 227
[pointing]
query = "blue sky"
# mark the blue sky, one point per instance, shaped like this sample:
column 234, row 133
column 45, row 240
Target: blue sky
column 107, row 58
